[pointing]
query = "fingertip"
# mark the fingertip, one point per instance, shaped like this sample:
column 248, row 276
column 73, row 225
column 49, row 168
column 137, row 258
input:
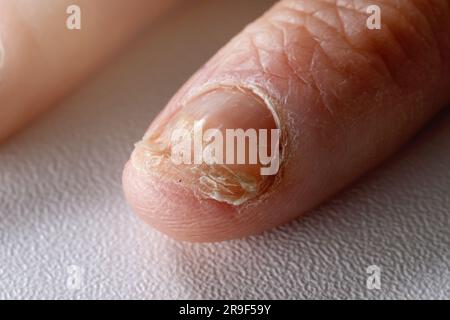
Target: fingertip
column 177, row 212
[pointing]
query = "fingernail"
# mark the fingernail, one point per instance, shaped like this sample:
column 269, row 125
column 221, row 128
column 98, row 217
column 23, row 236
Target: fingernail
column 223, row 144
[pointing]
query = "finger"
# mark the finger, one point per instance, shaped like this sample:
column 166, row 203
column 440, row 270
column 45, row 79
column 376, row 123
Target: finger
column 41, row 58
column 344, row 97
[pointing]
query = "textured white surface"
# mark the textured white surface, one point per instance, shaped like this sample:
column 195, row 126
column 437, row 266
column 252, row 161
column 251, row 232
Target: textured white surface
column 61, row 202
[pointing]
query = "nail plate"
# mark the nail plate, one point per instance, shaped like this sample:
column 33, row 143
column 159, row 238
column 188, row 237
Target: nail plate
column 224, row 144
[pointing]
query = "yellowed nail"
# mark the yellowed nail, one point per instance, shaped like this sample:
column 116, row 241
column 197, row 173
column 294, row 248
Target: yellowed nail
column 186, row 150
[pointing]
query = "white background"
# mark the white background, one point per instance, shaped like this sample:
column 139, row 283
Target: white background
column 61, row 201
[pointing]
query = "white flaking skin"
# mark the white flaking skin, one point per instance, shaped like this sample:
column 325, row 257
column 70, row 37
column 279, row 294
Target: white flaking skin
column 216, row 182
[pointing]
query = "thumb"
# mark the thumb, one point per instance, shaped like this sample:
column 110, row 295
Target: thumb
column 343, row 97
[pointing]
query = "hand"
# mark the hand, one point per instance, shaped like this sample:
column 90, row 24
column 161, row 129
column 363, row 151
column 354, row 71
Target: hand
column 344, row 96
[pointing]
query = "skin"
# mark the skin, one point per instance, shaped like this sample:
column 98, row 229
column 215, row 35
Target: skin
column 41, row 60
column 348, row 98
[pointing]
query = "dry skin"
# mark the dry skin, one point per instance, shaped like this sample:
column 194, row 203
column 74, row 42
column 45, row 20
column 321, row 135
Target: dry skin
column 233, row 184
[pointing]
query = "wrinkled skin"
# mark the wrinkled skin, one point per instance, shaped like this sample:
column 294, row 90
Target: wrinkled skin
column 348, row 98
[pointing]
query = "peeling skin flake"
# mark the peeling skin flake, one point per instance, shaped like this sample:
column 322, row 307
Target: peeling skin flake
column 216, row 182
column 222, row 109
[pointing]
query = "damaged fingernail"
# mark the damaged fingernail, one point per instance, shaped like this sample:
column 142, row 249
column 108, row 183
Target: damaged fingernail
column 223, row 144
